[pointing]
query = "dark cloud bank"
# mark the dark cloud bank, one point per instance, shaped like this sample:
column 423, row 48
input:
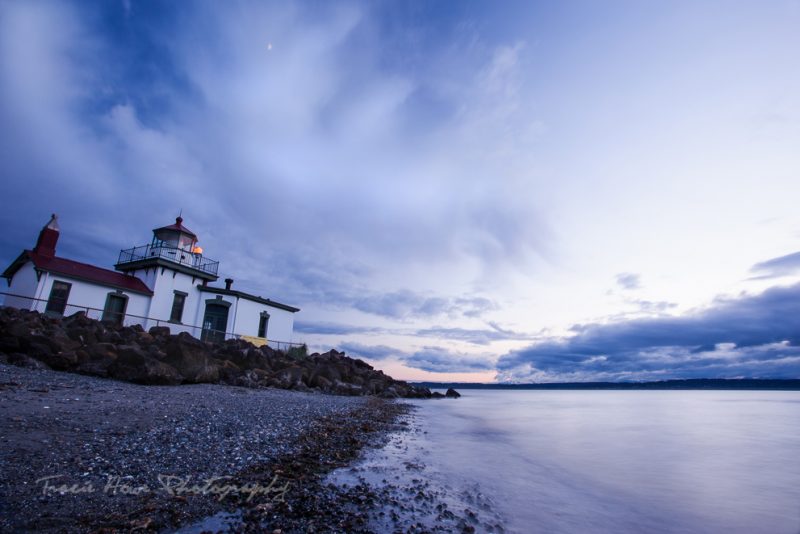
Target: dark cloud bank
column 750, row 336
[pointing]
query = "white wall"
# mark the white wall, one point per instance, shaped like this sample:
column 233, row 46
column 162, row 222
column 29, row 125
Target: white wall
column 248, row 314
column 167, row 282
column 164, row 282
column 281, row 325
column 24, row 283
column 84, row 295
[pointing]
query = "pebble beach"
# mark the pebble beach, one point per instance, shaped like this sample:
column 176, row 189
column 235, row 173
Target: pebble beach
column 85, row 454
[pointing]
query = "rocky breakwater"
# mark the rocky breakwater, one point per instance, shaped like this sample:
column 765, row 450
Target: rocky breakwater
column 82, row 345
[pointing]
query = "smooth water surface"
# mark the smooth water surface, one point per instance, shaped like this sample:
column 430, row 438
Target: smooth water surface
column 622, row 461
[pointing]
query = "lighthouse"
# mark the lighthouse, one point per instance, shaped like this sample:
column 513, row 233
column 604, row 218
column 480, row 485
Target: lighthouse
column 168, row 282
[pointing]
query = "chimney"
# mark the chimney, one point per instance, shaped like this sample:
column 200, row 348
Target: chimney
column 228, row 283
column 48, row 237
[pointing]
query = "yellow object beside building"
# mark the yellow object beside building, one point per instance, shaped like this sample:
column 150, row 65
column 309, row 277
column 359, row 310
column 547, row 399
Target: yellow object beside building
column 257, row 341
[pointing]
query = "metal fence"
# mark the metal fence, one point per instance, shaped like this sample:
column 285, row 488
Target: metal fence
column 11, row 300
column 178, row 255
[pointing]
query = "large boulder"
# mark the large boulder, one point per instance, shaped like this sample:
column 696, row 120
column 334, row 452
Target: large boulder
column 452, row 394
column 94, row 367
column 346, row 388
column 191, row 358
column 289, row 376
column 135, row 365
column 9, row 343
column 159, row 331
column 389, row 393
column 229, row 372
column 102, row 351
column 61, row 361
column 23, row 360
column 376, row 385
column 320, row 382
column 326, row 369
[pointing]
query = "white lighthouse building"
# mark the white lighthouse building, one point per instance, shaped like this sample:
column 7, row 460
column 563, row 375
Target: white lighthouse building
column 164, row 283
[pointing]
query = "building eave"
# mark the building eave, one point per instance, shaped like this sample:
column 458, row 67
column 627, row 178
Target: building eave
column 160, row 262
column 75, row 270
column 16, row 265
column 247, row 296
column 95, row 282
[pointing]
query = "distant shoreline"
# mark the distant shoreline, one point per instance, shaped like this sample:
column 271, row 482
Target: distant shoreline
column 688, row 384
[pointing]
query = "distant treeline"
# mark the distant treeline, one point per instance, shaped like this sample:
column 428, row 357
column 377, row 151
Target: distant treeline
column 695, row 383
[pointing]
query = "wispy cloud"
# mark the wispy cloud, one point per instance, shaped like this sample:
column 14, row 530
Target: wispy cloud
column 298, row 119
column 370, row 352
column 326, row 328
column 429, row 358
column 776, row 267
column 628, row 281
column 441, row 360
column 476, row 336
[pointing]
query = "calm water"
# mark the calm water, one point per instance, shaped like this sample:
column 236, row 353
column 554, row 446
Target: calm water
column 611, row 461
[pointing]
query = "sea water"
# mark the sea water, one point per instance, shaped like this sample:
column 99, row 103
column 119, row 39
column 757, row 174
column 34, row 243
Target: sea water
column 606, row 461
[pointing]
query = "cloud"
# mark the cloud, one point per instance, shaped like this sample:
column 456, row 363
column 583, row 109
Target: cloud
column 628, row 281
column 430, row 358
column 476, row 336
column 654, row 306
column 441, row 360
column 408, row 304
column 746, row 336
column 327, row 328
column 370, row 352
column 776, row 267
column 309, row 168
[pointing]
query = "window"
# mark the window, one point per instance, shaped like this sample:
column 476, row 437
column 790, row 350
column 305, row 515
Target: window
column 114, row 312
column 59, row 294
column 177, row 307
column 262, row 324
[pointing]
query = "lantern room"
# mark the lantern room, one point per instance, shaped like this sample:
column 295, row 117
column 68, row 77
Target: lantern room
column 175, row 236
column 173, row 246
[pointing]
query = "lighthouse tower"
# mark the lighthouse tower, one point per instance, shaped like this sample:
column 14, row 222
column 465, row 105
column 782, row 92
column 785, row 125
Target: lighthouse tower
column 172, row 265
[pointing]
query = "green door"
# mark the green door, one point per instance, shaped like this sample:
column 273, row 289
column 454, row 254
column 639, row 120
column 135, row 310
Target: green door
column 215, row 322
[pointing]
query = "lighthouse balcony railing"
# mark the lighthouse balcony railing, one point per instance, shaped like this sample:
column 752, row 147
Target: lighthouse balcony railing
column 173, row 254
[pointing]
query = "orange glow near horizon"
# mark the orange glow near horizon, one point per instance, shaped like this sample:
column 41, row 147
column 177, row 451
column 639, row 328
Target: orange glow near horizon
column 399, row 371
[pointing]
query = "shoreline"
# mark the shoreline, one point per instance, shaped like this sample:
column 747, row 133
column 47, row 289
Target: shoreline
column 127, row 457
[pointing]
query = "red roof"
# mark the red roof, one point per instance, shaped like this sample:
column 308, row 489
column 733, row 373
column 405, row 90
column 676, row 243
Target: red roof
column 177, row 227
column 81, row 271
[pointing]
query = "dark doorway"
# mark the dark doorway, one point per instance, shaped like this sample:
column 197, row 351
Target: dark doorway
column 262, row 324
column 215, row 322
column 114, row 311
column 57, row 302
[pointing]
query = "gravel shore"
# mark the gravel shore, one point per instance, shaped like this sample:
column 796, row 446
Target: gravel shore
column 124, row 457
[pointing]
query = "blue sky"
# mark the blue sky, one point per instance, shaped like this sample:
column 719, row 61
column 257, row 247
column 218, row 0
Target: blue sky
column 452, row 190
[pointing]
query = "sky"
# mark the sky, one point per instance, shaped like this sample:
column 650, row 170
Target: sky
column 453, row 191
